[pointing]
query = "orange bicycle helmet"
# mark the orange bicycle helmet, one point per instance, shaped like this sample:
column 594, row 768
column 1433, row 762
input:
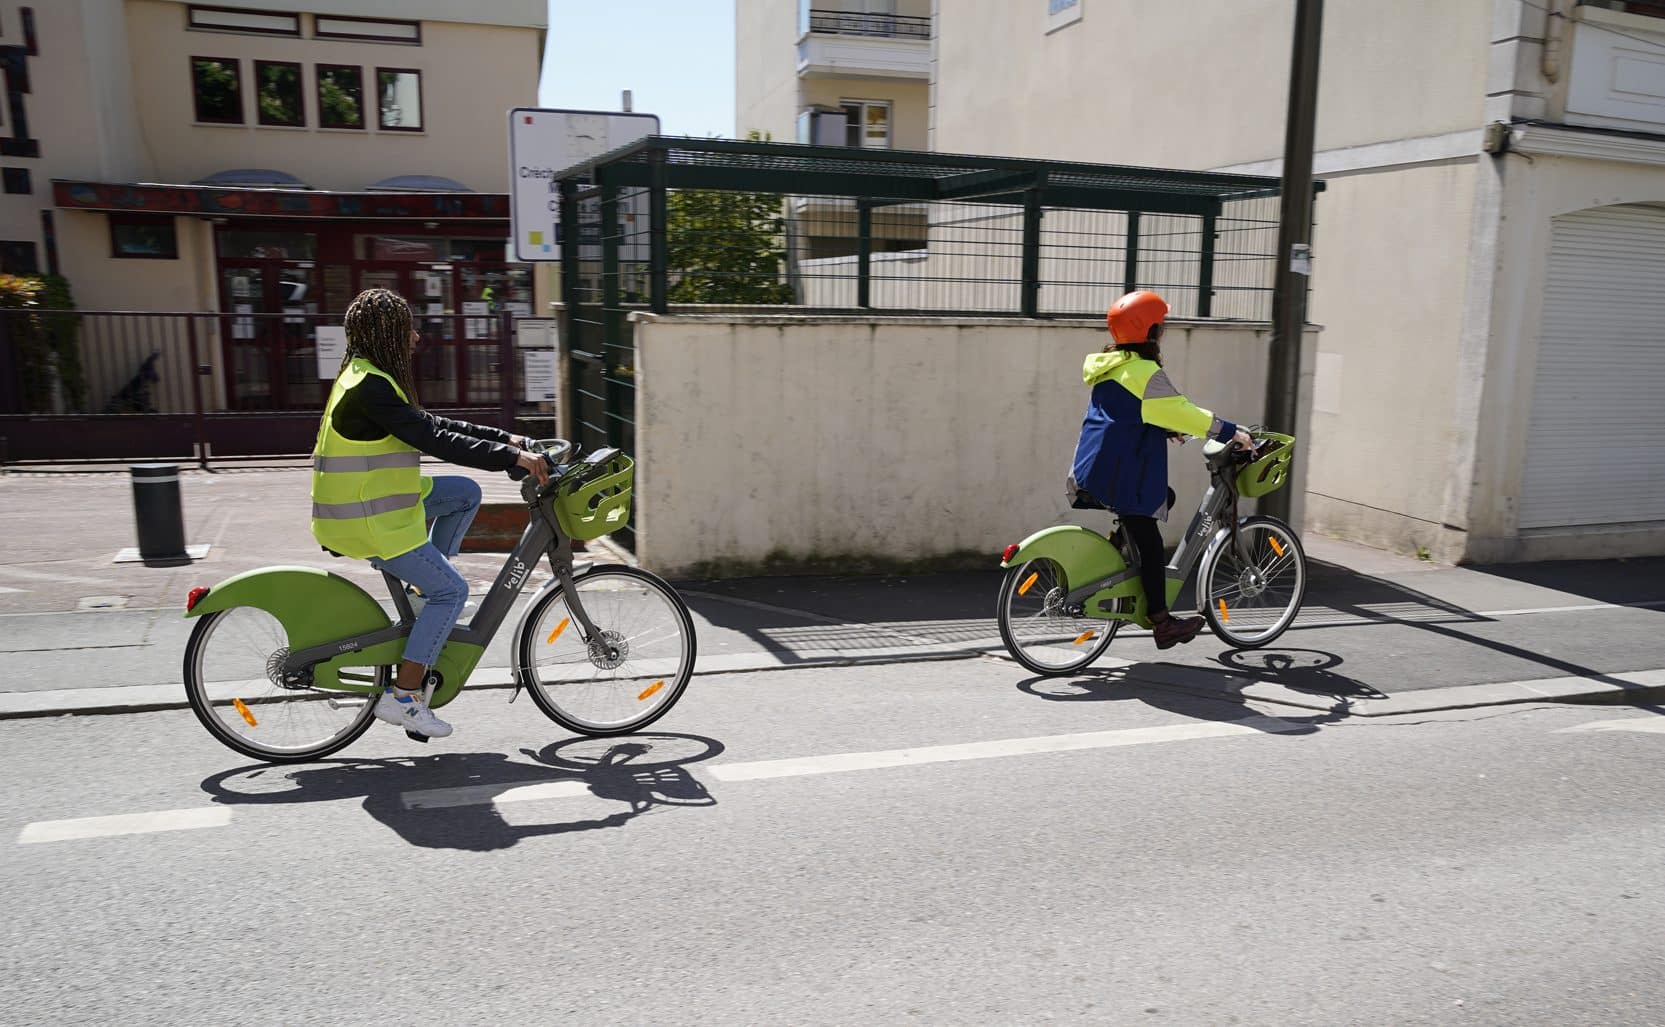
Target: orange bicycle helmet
column 1132, row 317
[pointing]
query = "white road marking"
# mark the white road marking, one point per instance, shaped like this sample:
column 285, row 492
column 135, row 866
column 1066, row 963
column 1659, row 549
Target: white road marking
column 128, row 823
column 4, row 590
column 1654, row 725
column 843, row 762
column 497, row 795
column 1553, row 609
column 492, row 795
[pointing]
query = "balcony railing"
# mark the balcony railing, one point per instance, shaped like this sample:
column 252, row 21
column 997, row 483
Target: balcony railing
column 861, row 23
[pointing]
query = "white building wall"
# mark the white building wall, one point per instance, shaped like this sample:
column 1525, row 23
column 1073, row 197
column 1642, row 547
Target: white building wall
column 776, row 442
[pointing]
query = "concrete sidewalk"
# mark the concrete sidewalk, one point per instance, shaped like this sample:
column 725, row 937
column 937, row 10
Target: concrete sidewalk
column 1379, row 633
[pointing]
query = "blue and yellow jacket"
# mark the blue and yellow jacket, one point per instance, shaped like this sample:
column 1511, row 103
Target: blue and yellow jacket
column 1122, row 459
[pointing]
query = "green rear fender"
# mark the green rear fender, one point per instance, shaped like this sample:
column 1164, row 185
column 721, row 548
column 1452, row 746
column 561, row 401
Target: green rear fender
column 314, row 607
column 1083, row 554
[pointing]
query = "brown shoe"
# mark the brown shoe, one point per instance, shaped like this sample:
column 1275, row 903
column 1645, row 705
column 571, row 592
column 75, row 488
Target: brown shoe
column 1171, row 631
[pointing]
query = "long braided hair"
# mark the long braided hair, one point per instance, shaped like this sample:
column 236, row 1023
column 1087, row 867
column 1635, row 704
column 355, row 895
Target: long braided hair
column 378, row 329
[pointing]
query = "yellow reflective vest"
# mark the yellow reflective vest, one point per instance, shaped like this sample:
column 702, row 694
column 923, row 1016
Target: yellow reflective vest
column 366, row 496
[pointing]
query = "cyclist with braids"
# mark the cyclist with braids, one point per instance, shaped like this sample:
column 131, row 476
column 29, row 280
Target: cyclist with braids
column 370, row 501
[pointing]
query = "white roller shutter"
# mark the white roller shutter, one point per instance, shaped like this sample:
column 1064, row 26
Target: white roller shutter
column 1596, row 445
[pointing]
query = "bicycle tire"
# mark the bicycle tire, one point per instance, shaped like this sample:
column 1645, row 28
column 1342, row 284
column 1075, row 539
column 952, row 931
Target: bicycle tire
column 204, row 705
column 1211, row 594
column 1012, row 589
column 527, row 664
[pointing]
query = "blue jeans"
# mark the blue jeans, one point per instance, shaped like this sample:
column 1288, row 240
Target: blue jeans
column 451, row 506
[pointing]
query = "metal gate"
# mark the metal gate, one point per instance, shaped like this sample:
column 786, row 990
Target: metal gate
column 104, row 385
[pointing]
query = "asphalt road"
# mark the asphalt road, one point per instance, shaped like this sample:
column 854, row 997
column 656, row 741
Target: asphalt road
column 922, row 843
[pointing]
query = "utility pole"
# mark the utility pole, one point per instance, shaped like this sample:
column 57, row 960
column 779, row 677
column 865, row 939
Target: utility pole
column 1294, row 262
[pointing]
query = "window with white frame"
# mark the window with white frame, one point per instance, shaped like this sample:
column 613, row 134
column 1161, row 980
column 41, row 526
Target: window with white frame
column 1062, row 12
column 867, row 123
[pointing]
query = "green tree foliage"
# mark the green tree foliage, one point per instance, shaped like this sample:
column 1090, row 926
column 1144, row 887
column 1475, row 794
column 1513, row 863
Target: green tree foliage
column 216, row 90
column 339, row 106
column 727, row 247
column 45, row 341
column 280, row 93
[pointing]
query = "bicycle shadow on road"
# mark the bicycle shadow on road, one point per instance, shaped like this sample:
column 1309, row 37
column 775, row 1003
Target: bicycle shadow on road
column 450, row 800
column 1211, row 695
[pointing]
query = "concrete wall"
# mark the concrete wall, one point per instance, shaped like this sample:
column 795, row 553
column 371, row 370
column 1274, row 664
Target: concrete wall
column 1152, row 82
column 1390, row 286
column 471, row 75
column 766, row 69
column 844, row 442
column 1535, row 188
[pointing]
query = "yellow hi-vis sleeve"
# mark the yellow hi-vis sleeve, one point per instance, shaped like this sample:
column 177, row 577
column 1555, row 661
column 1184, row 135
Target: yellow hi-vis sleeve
column 1164, row 406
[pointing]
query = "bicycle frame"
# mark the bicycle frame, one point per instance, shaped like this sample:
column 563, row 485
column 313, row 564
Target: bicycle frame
column 1204, row 523
column 466, row 643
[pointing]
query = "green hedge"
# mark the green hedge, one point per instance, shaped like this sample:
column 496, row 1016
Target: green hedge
column 46, row 343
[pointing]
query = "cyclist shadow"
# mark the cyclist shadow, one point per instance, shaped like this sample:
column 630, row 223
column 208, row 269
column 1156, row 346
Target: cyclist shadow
column 454, row 800
column 1208, row 695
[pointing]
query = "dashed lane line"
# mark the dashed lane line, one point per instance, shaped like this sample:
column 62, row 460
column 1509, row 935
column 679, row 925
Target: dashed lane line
column 127, row 823
column 852, row 761
column 495, row 795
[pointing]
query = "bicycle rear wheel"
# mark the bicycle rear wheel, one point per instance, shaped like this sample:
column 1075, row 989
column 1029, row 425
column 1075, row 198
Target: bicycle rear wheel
column 1249, row 603
column 233, row 680
column 626, row 677
column 1037, row 631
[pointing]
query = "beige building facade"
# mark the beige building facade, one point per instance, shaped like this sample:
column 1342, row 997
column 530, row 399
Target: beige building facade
column 1487, row 383
column 265, row 160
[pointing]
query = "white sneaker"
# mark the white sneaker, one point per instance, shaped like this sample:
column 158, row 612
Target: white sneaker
column 411, row 714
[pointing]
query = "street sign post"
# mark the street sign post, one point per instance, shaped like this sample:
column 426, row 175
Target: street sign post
column 544, row 142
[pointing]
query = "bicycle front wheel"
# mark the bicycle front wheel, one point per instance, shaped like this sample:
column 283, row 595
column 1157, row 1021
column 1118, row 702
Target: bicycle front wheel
column 626, row 676
column 1249, row 603
column 233, row 679
column 1037, row 631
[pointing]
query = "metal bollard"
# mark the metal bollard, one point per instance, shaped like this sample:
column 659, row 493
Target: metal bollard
column 157, row 512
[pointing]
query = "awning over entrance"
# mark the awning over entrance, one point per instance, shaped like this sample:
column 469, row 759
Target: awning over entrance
column 207, row 201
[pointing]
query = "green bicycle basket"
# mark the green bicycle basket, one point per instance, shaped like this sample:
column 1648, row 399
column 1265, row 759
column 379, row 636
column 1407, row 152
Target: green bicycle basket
column 1268, row 471
column 598, row 506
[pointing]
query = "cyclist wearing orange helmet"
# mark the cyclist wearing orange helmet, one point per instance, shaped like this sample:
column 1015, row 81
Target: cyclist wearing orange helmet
column 1120, row 462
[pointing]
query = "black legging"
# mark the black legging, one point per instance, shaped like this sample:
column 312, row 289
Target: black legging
column 1147, row 539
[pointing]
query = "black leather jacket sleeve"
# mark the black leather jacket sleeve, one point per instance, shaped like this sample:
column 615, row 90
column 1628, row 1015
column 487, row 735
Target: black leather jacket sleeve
column 371, row 410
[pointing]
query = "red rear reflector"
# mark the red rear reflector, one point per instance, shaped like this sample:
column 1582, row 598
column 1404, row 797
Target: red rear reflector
column 194, row 598
column 1011, row 550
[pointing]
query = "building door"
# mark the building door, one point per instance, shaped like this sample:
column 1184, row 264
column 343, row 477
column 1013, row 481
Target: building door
column 1595, row 435
column 271, row 308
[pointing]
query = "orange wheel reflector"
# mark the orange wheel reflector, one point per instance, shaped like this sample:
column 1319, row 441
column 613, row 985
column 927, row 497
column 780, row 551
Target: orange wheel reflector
column 1276, row 548
column 1085, row 636
column 656, row 686
column 244, row 710
column 553, row 635
column 1224, row 616
column 1028, row 583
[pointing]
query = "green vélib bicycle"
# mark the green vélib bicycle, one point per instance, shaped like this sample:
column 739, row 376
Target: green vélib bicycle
column 285, row 663
column 1068, row 589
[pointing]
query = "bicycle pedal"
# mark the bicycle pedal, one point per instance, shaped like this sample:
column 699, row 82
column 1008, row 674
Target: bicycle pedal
column 413, row 736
